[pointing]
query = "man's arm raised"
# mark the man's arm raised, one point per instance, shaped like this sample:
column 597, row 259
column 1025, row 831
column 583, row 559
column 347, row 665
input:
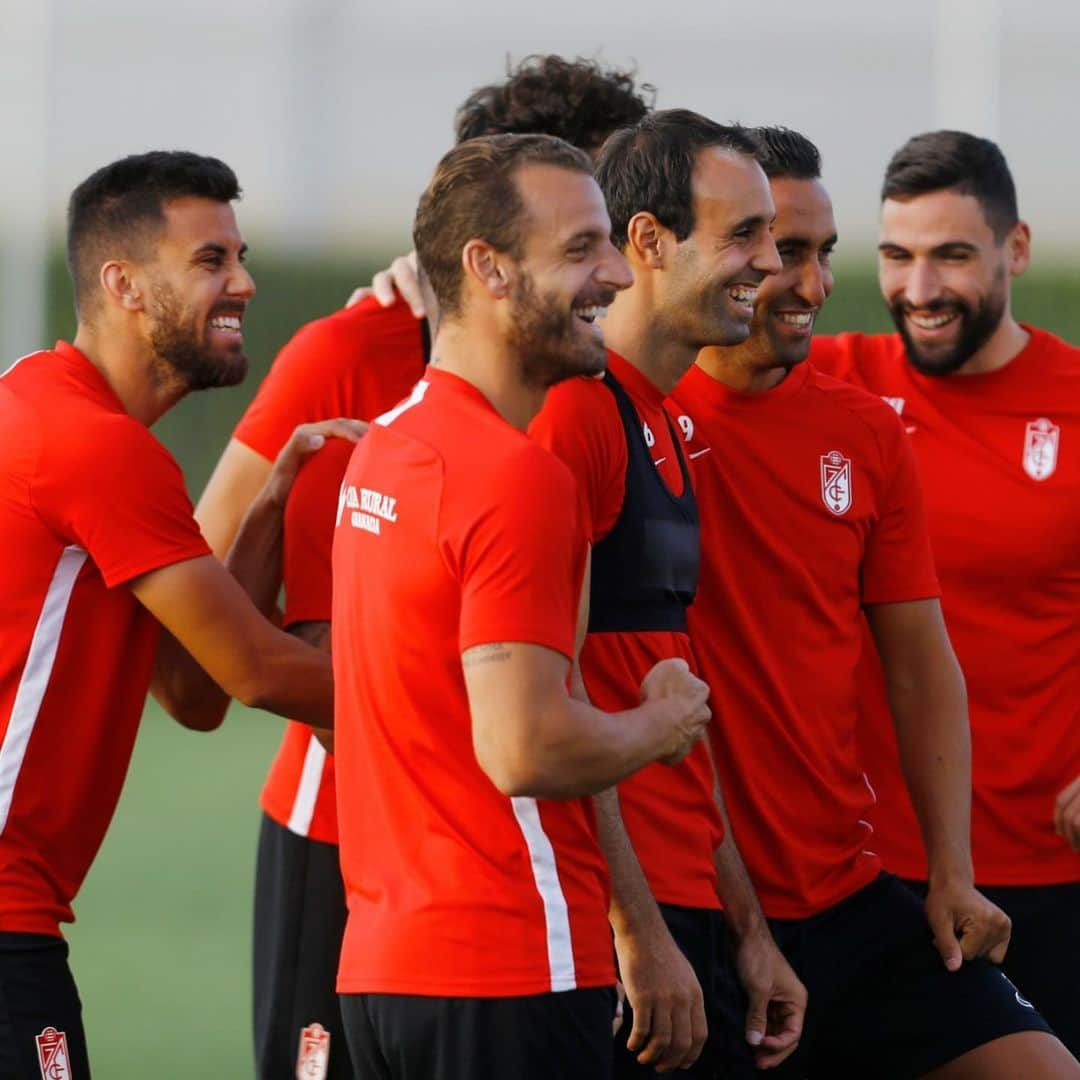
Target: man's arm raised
column 215, row 643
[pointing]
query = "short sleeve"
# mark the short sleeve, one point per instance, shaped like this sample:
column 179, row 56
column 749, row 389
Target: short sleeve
column 121, row 497
column 522, row 560
column 310, row 514
column 296, row 390
column 580, row 425
column 898, row 564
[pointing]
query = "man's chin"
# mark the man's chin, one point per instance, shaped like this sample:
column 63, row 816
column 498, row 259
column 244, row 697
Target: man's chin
column 219, row 373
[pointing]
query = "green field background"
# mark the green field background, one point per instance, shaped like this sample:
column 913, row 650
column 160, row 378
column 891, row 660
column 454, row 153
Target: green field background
column 161, row 947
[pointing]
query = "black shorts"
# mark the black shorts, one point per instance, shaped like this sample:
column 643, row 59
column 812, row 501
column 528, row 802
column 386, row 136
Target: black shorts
column 881, row 1003
column 41, row 1025
column 1044, row 952
column 298, row 925
column 564, row 1036
column 694, row 931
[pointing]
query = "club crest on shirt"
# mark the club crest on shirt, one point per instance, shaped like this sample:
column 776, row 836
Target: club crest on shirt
column 52, row 1050
column 313, row 1059
column 836, row 482
column 1041, row 441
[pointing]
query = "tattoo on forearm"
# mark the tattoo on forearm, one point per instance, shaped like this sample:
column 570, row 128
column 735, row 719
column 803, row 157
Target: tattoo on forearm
column 494, row 653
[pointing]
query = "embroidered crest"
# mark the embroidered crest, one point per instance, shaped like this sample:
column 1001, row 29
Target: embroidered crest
column 1041, row 441
column 52, row 1051
column 313, row 1059
column 836, row 482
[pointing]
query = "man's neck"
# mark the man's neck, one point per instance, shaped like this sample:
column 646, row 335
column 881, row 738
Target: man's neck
column 488, row 365
column 133, row 375
column 1004, row 345
column 634, row 330
column 745, row 375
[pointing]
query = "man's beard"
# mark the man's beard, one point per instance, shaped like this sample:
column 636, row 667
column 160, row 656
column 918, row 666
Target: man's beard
column 184, row 355
column 977, row 326
column 543, row 336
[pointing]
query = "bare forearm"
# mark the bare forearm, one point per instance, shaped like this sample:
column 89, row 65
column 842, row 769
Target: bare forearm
column 742, row 909
column 934, row 742
column 254, row 557
column 580, row 750
column 633, row 908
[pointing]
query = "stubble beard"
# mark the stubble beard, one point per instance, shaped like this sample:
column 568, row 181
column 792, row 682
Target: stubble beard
column 181, row 353
column 543, row 338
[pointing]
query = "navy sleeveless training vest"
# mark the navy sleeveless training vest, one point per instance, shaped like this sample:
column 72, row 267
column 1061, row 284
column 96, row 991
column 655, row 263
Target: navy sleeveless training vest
column 645, row 571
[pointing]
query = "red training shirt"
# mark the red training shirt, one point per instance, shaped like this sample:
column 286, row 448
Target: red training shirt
column 810, row 509
column 999, row 455
column 89, row 500
column 356, row 363
column 454, row 530
column 670, row 812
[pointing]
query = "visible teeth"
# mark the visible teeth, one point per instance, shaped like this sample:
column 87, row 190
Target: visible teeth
column 801, row 319
column 743, row 294
column 931, row 322
column 594, row 311
column 225, row 322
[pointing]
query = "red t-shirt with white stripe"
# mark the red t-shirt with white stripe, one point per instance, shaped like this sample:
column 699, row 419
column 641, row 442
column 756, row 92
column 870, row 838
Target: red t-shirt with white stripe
column 810, row 508
column 454, row 530
column 89, row 500
column 580, row 423
column 357, row 362
column 999, row 456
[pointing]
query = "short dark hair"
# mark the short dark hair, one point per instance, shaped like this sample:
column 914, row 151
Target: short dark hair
column 960, row 162
column 578, row 100
column 785, row 154
column 650, row 166
column 473, row 195
column 120, row 209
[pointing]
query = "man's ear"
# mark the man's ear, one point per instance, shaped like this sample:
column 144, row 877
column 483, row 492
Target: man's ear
column 484, row 264
column 119, row 285
column 1018, row 244
column 648, row 242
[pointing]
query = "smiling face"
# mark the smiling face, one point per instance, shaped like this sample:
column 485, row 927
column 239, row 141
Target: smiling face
column 198, row 291
column 945, row 276
column 568, row 274
column 788, row 302
column 709, row 295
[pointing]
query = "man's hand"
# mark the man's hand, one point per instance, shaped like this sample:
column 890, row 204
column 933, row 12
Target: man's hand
column 1067, row 814
column 663, row 991
column 402, row 276
column 777, row 999
column 965, row 924
column 303, row 442
column 671, row 681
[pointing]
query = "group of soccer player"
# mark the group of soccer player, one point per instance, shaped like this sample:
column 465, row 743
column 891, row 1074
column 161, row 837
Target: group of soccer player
column 678, row 655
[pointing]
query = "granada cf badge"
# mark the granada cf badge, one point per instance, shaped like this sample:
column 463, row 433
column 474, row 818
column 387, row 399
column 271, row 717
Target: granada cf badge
column 1041, row 442
column 836, row 482
column 313, row 1060
column 52, row 1052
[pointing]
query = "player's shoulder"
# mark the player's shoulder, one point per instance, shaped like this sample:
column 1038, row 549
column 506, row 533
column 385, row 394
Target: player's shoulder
column 860, row 408
column 354, row 334
column 856, row 353
column 1055, row 355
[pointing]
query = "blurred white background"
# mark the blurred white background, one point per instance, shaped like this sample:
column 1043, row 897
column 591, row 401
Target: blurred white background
column 333, row 112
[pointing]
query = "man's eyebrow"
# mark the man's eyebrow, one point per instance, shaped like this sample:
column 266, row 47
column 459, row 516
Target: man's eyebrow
column 212, row 247
column 953, row 245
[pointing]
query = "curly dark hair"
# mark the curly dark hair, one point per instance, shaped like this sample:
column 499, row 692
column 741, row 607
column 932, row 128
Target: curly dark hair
column 577, row 100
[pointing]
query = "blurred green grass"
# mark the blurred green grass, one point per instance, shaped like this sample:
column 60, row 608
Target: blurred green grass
column 161, row 948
